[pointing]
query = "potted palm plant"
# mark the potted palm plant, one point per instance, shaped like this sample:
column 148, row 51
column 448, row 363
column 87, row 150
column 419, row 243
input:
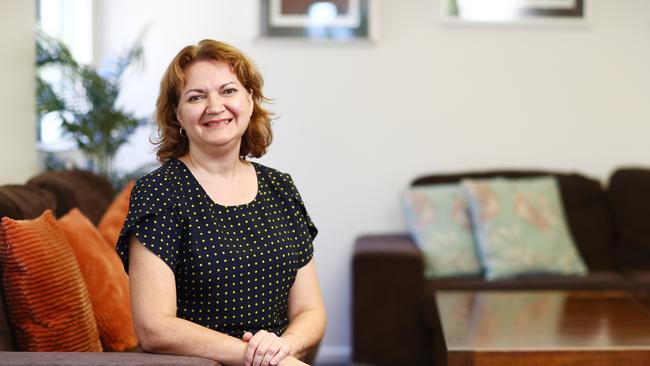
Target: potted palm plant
column 85, row 101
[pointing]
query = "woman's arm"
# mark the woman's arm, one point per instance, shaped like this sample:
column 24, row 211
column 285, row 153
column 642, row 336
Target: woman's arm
column 153, row 300
column 306, row 312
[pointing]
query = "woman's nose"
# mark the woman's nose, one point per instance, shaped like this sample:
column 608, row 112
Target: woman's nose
column 215, row 105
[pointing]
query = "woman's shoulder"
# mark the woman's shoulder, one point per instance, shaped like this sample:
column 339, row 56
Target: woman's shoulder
column 274, row 176
column 159, row 180
column 277, row 180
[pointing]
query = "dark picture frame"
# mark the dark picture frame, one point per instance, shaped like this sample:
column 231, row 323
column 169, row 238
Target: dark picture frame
column 514, row 12
column 333, row 20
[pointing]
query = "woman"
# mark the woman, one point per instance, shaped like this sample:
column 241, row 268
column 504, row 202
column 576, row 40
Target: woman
column 219, row 249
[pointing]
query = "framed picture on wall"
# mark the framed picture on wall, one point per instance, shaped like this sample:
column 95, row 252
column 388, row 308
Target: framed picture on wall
column 334, row 20
column 514, row 12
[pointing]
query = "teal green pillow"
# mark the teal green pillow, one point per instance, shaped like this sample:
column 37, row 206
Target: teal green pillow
column 521, row 228
column 438, row 221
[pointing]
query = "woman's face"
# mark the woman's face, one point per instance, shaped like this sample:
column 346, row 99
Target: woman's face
column 214, row 108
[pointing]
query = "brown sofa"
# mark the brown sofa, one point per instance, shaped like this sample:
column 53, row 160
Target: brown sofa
column 61, row 191
column 395, row 319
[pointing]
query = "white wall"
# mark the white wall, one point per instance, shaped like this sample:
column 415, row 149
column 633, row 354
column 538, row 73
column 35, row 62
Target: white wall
column 358, row 122
column 18, row 158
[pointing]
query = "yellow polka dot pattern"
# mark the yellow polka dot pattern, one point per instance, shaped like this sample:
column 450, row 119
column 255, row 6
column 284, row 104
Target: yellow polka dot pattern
column 234, row 265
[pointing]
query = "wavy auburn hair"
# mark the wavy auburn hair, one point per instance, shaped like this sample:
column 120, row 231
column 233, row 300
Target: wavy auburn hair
column 171, row 144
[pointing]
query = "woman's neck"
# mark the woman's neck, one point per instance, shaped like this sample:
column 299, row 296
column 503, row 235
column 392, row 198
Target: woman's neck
column 222, row 166
column 227, row 179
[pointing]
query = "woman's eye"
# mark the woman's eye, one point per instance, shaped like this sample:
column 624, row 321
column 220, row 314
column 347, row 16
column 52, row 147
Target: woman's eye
column 230, row 91
column 194, row 98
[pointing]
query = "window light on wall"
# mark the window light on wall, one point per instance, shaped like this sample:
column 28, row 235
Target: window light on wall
column 71, row 22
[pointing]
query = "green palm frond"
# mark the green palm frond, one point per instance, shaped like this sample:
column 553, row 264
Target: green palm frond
column 50, row 50
column 87, row 96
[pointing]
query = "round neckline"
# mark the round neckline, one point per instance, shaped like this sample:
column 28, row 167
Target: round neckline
column 217, row 204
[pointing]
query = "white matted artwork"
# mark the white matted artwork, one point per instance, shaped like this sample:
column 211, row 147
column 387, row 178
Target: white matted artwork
column 516, row 12
column 334, row 20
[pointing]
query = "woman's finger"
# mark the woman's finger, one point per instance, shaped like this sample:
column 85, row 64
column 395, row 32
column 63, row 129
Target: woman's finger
column 253, row 343
column 267, row 357
column 247, row 336
column 262, row 348
column 272, row 350
column 284, row 351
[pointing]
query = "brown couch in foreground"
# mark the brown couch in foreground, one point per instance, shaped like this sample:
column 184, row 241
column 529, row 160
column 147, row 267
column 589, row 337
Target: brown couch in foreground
column 395, row 320
column 60, row 192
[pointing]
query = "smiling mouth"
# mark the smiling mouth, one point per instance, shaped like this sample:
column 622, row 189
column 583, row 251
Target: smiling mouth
column 217, row 123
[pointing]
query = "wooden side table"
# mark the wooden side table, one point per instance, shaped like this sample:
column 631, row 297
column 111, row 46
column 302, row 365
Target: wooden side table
column 550, row 328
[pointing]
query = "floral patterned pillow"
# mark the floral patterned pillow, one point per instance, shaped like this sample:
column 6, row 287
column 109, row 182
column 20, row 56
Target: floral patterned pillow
column 521, row 228
column 438, row 221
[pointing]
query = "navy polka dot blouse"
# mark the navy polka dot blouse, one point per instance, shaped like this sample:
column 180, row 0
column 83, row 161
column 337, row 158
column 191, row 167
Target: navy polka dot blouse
column 234, row 265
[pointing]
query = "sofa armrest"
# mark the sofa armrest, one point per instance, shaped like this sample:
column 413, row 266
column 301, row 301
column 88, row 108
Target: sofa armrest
column 387, row 301
column 99, row 359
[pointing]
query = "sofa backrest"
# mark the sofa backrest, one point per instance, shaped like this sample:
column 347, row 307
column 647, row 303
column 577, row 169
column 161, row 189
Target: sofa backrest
column 58, row 191
column 585, row 205
column 24, row 202
column 629, row 197
column 88, row 192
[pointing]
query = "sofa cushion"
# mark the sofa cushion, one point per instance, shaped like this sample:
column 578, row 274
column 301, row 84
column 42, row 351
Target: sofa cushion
column 106, row 281
column 629, row 197
column 76, row 188
column 112, row 221
column 520, row 227
column 585, row 205
column 437, row 219
column 46, row 297
column 19, row 202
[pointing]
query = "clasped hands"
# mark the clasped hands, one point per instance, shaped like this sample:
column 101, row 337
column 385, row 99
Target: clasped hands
column 265, row 349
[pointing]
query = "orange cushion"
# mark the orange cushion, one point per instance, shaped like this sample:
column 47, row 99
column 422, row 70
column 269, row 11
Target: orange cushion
column 106, row 281
column 111, row 222
column 45, row 292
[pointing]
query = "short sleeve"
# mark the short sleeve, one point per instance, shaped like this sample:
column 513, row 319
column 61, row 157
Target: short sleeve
column 152, row 219
column 308, row 230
